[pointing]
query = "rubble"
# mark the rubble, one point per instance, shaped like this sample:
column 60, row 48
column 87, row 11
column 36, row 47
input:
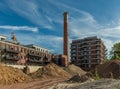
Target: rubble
column 79, row 79
column 98, row 84
column 50, row 71
column 26, row 70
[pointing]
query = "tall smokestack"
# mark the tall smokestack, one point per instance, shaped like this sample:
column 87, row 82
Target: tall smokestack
column 65, row 43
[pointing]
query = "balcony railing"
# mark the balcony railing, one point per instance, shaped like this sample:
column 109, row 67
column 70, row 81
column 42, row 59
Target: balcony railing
column 11, row 58
column 34, row 55
column 11, row 50
column 34, row 60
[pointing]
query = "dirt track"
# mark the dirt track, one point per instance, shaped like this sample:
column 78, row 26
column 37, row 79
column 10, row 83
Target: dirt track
column 37, row 84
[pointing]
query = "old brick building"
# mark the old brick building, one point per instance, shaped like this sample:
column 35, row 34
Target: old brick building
column 88, row 52
column 15, row 53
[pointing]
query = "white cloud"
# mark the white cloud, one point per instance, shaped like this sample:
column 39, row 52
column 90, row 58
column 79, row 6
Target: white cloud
column 113, row 32
column 40, row 12
column 108, row 43
column 25, row 28
column 30, row 10
column 54, row 43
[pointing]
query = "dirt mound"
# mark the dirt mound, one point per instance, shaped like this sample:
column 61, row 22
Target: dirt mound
column 109, row 69
column 74, row 70
column 50, row 71
column 9, row 75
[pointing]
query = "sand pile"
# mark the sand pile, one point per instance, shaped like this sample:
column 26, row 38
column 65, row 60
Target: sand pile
column 74, row 70
column 50, row 71
column 109, row 69
column 9, row 75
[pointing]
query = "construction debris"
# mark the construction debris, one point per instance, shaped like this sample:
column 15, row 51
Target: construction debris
column 78, row 79
column 50, row 71
column 9, row 75
column 26, row 70
column 109, row 69
column 74, row 70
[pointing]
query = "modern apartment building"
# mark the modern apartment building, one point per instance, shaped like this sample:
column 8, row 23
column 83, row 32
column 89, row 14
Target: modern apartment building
column 16, row 53
column 88, row 52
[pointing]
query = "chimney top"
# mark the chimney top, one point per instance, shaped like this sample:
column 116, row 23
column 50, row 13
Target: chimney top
column 65, row 13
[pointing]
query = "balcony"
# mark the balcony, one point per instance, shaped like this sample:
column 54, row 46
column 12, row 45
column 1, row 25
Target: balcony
column 73, row 47
column 36, row 60
column 73, row 54
column 11, row 58
column 34, row 55
column 11, row 51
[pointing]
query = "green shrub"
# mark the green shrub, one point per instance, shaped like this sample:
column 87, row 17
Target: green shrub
column 97, row 77
column 111, row 75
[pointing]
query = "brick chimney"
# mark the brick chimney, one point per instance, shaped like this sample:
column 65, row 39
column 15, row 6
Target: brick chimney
column 65, row 42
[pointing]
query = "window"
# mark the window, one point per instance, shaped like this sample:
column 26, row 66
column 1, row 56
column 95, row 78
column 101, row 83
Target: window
column 89, row 57
column 89, row 43
column 85, row 49
column 98, row 47
column 89, row 65
column 89, row 52
column 89, row 61
column 98, row 56
column 3, row 46
column 97, row 42
column 89, row 48
column 85, row 57
column 98, row 61
column 85, row 53
column 98, row 52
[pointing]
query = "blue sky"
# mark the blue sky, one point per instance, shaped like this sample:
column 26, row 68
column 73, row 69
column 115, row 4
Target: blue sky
column 41, row 22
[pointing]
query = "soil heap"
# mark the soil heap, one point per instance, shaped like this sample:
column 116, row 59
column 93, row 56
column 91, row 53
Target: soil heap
column 50, row 71
column 109, row 69
column 9, row 75
column 74, row 70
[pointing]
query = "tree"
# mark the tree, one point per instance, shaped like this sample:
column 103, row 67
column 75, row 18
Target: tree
column 115, row 51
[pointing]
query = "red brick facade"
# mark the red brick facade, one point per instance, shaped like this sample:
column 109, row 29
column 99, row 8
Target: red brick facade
column 88, row 52
column 19, row 54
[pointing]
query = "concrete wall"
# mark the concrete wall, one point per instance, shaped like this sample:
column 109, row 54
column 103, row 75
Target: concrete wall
column 32, row 68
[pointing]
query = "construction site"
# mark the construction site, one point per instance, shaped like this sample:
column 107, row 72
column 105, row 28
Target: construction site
column 34, row 67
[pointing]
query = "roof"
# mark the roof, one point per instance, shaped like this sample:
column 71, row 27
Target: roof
column 33, row 45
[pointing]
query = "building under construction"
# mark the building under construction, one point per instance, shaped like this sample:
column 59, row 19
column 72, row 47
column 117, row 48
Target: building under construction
column 88, row 52
column 15, row 53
